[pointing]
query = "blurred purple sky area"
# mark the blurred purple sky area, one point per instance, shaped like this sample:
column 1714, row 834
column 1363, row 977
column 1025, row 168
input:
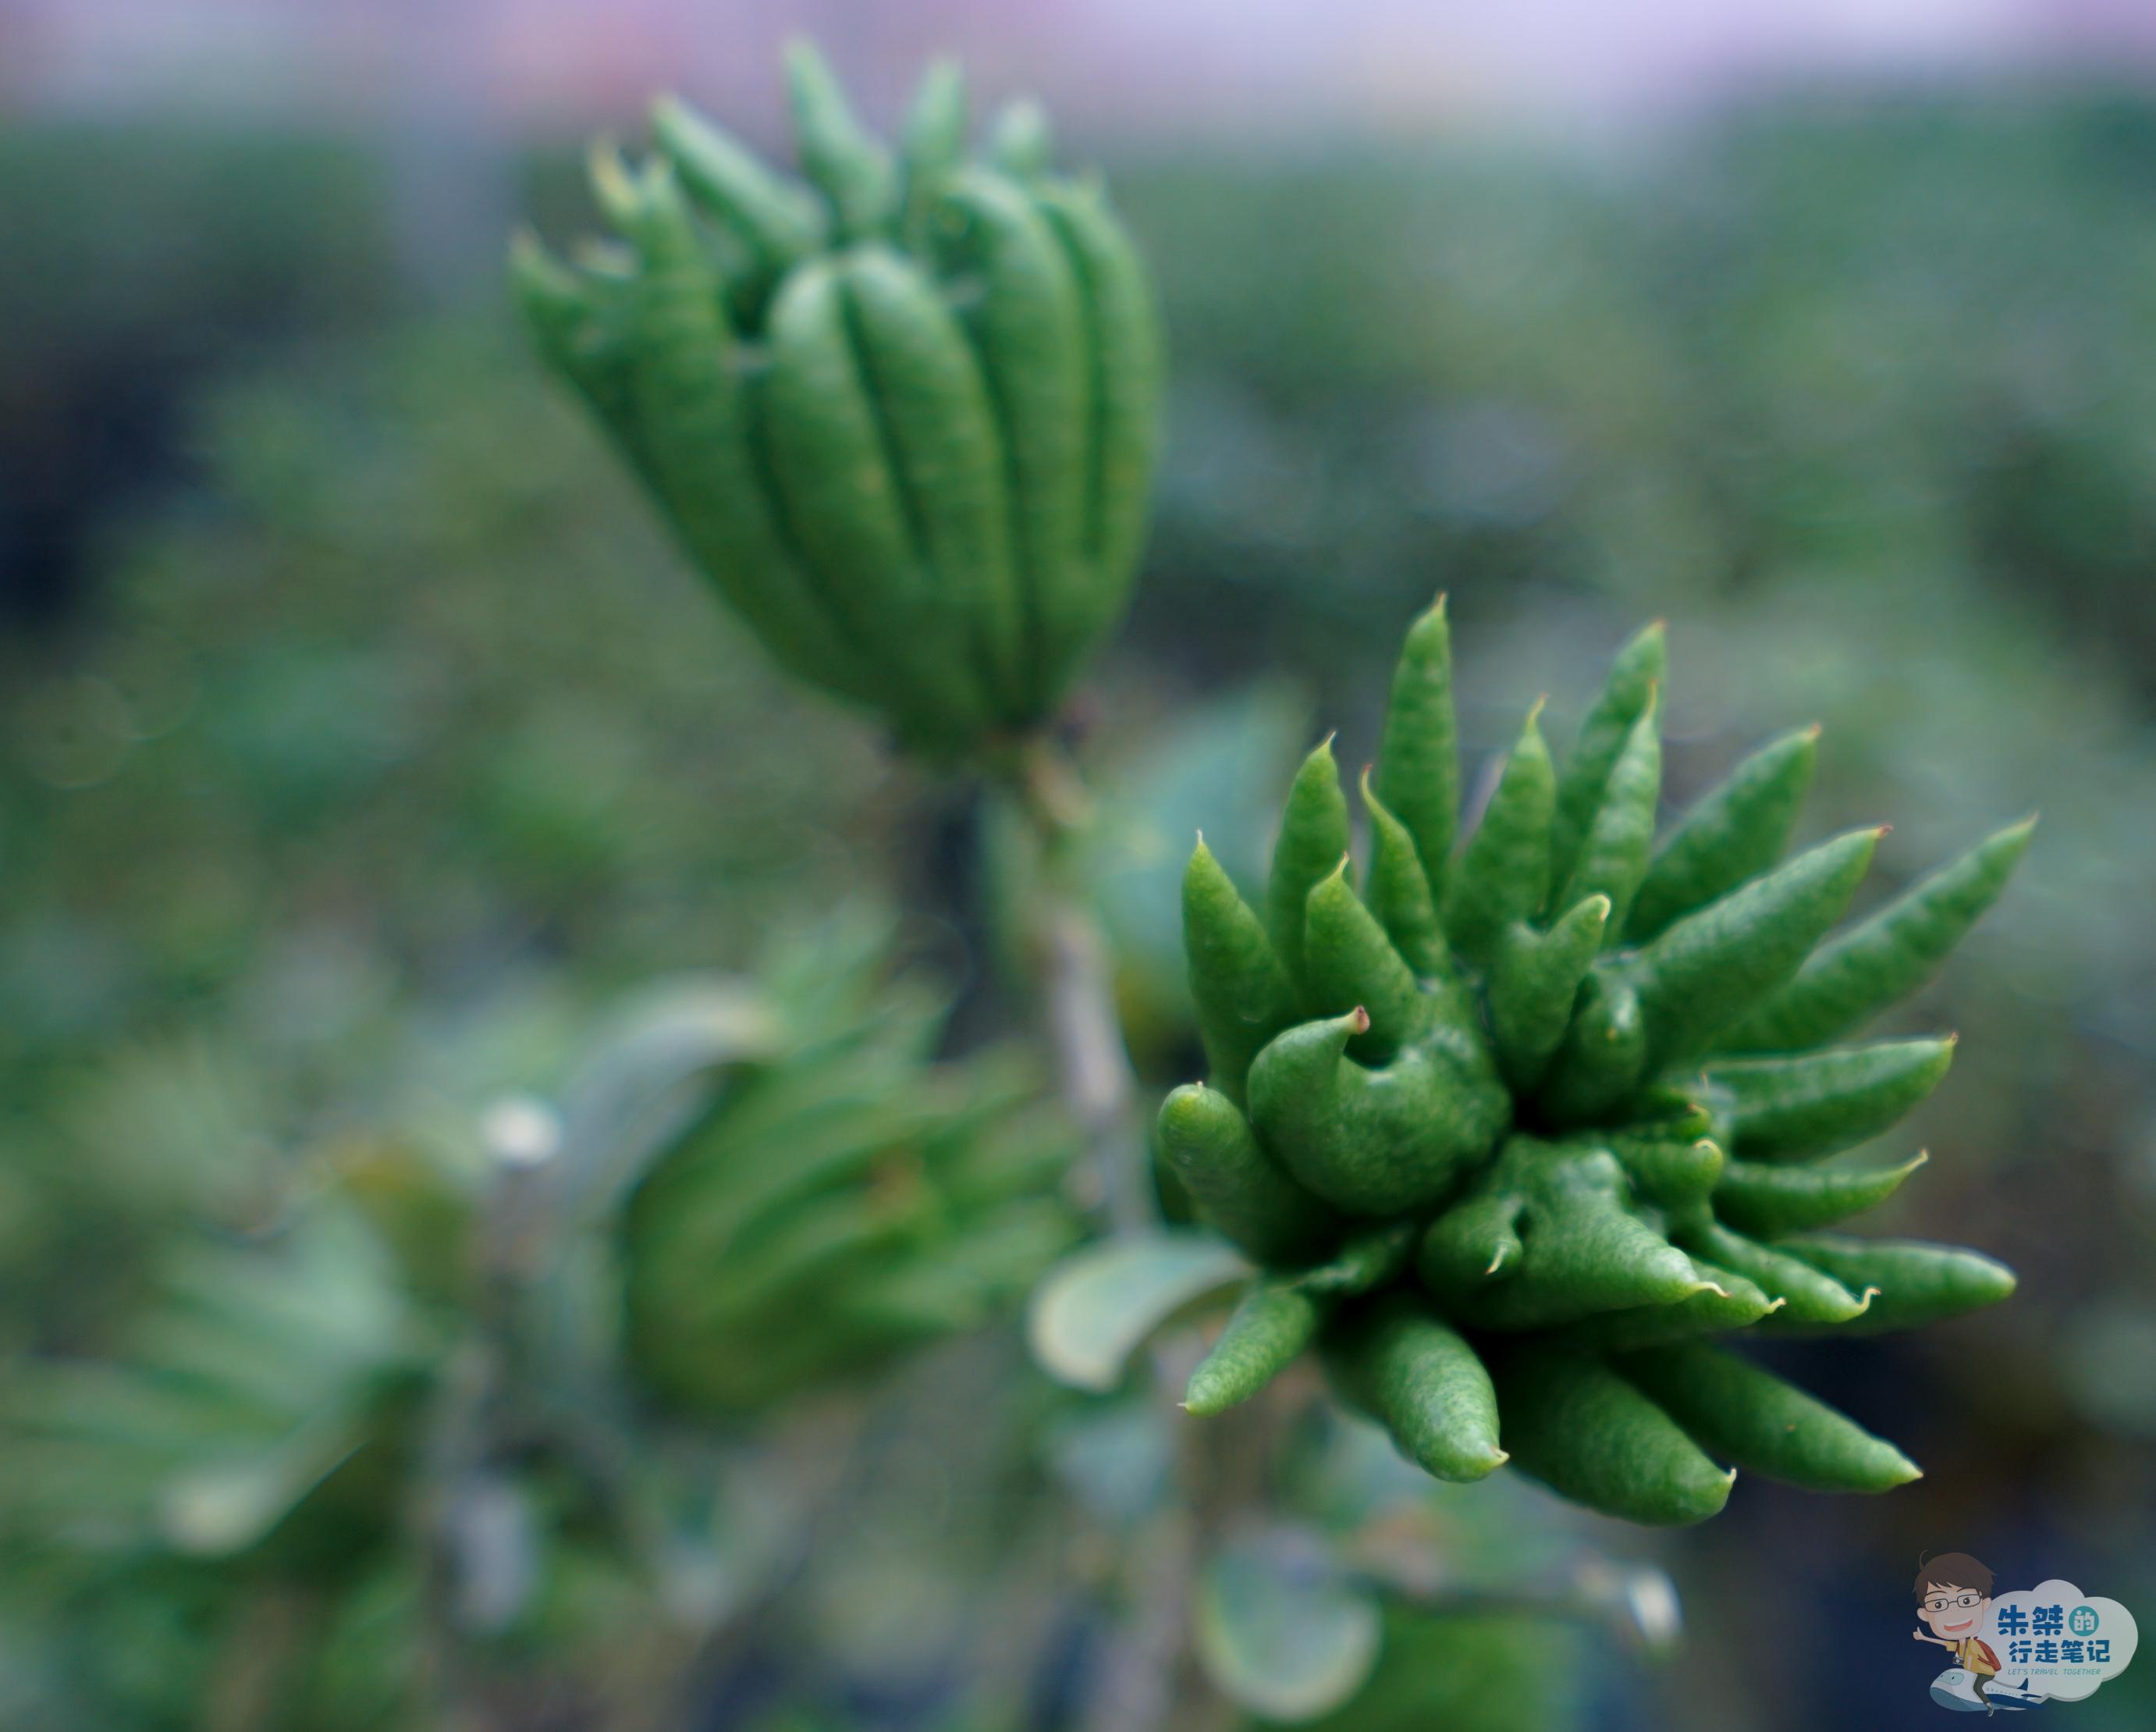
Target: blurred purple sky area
column 1254, row 69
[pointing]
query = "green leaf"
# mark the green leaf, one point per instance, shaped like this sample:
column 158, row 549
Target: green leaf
column 656, row 1065
column 1096, row 1308
column 1280, row 1631
column 224, row 1507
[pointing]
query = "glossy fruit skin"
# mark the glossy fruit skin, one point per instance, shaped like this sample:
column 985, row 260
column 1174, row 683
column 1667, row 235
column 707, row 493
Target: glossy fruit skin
column 904, row 416
column 1588, row 1078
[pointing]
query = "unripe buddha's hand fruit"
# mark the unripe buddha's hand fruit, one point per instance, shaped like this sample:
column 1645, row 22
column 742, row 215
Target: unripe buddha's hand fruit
column 904, row 416
column 1560, row 1093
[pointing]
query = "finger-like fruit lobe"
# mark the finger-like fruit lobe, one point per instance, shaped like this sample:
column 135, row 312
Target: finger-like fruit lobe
column 903, row 416
column 841, row 1201
column 1590, row 1083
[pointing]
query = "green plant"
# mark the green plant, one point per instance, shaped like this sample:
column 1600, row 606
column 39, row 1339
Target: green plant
column 487, row 1394
column 904, row 422
column 1512, row 1133
column 841, row 1202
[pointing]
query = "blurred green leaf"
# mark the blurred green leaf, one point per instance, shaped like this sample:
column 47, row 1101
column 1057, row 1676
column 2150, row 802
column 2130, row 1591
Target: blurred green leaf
column 1096, row 1308
column 1279, row 1630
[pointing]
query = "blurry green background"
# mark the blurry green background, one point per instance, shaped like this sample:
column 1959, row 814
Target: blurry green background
column 359, row 739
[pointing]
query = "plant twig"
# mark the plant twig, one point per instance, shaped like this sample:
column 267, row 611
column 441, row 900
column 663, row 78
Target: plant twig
column 1093, row 1067
column 1148, row 1681
column 1074, row 973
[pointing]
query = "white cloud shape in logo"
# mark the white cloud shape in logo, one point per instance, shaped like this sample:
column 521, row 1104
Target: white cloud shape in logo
column 2034, row 1630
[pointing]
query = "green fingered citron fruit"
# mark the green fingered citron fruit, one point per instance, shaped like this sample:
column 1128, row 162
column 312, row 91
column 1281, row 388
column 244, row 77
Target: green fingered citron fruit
column 903, row 414
column 1273, row 1322
column 1562, row 1095
column 1589, row 1434
column 839, row 1200
column 1752, row 1419
column 1420, row 1379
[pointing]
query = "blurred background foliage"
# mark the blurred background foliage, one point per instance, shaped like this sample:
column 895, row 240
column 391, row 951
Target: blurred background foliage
column 360, row 742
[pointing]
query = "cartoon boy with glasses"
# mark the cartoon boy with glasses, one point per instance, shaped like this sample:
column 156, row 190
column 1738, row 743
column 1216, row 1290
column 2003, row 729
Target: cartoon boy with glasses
column 1953, row 1597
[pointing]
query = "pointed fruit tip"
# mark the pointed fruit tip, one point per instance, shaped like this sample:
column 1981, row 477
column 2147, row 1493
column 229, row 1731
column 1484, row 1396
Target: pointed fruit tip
column 1359, row 1020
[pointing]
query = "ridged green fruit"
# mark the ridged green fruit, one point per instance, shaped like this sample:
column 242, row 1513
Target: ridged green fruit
column 841, row 1201
column 1581, row 1084
column 904, row 418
